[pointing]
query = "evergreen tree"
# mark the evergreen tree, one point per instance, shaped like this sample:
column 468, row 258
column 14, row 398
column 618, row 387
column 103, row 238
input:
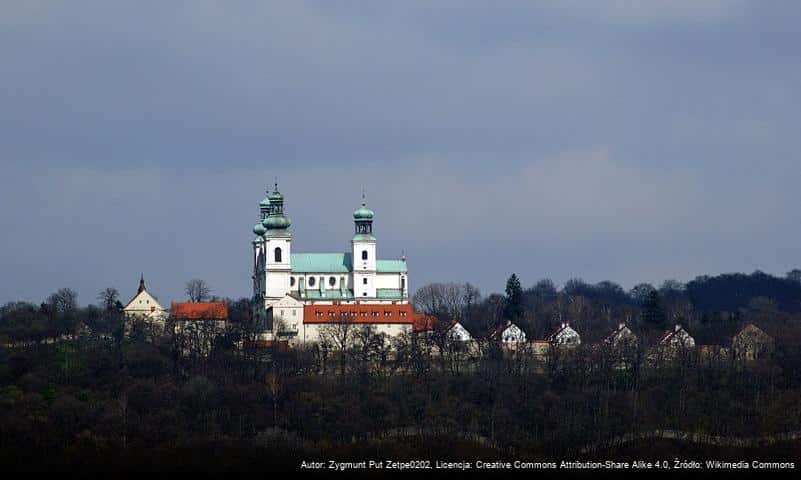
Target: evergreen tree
column 652, row 312
column 513, row 307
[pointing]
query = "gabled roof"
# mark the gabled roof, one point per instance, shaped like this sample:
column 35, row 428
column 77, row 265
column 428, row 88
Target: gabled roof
column 562, row 327
column 667, row 335
column 150, row 303
column 423, row 323
column 147, row 295
column 616, row 332
column 498, row 331
column 199, row 310
column 751, row 327
column 286, row 301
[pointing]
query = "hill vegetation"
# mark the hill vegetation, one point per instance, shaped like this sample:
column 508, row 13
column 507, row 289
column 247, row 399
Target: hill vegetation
column 76, row 393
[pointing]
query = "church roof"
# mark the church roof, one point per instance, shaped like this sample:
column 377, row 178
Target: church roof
column 390, row 266
column 321, row 262
column 338, row 263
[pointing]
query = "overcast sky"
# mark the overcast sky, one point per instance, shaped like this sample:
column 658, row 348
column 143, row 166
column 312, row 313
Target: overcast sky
column 630, row 141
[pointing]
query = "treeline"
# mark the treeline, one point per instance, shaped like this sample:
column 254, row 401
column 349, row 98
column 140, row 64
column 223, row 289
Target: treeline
column 77, row 393
column 712, row 307
column 60, row 315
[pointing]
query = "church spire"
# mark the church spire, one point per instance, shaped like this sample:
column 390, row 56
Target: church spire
column 363, row 218
column 141, row 283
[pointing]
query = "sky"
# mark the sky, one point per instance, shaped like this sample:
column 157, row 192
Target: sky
column 607, row 140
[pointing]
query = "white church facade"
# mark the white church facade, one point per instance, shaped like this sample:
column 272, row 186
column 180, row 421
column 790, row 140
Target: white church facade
column 286, row 284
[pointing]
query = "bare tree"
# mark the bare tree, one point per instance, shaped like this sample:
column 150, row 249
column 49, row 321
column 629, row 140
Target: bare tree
column 108, row 297
column 197, row 290
column 64, row 300
column 339, row 337
column 446, row 301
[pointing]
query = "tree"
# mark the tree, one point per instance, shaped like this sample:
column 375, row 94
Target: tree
column 446, row 301
column 513, row 308
column 794, row 274
column 197, row 290
column 542, row 291
column 338, row 336
column 108, row 298
column 652, row 312
column 64, row 300
column 640, row 292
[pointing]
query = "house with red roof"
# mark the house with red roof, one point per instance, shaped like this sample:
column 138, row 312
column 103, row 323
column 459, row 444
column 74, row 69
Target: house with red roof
column 198, row 324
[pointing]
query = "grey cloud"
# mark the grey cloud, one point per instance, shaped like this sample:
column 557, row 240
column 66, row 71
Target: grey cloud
column 618, row 140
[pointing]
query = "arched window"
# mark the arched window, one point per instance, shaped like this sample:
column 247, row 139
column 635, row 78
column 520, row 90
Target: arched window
column 364, row 254
column 311, row 281
column 332, row 281
column 278, row 254
column 291, row 281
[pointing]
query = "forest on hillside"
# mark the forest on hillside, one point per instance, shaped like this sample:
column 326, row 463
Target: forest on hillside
column 75, row 392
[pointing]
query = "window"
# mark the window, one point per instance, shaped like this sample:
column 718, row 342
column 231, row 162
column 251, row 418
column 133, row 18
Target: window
column 364, row 294
column 311, row 281
column 364, row 281
column 332, row 281
column 364, row 254
column 291, row 281
column 278, row 254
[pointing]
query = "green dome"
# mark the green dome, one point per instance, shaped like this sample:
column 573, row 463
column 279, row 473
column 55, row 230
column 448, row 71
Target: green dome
column 275, row 196
column 259, row 229
column 265, row 202
column 274, row 222
column 363, row 213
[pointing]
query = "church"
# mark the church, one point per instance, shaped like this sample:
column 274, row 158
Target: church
column 298, row 296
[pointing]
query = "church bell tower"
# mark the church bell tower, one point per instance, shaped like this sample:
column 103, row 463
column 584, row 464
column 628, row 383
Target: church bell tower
column 363, row 249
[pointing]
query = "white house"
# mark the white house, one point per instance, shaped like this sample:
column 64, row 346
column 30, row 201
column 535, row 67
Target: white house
column 285, row 319
column 564, row 335
column 144, row 306
column 622, row 336
column 508, row 334
column 677, row 338
column 671, row 344
column 458, row 333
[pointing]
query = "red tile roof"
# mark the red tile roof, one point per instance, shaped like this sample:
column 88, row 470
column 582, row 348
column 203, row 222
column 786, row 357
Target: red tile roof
column 366, row 313
column 199, row 310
